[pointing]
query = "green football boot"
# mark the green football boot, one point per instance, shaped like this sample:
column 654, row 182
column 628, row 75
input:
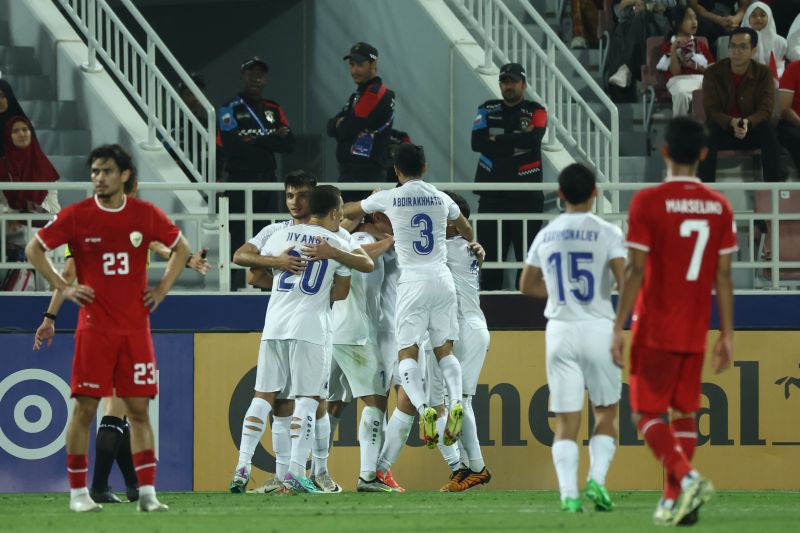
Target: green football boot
column 571, row 505
column 599, row 495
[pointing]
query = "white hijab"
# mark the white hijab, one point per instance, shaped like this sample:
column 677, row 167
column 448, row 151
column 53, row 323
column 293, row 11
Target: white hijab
column 793, row 41
column 768, row 39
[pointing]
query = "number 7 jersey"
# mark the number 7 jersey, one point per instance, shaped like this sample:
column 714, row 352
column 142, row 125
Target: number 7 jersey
column 684, row 227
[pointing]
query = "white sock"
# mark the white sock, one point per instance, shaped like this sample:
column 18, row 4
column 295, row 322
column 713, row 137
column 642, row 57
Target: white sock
column 463, row 459
column 469, row 437
column 565, row 459
column 322, row 439
column 601, row 452
column 689, row 478
column 147, row 490
column 334, row 424
column 303, row 436
column 450, row 453
column 397, row 431
column 451, row 371
column 411, row 381
column 369, row 440
column 252, row 431
column 281, row 444
column 74, row 493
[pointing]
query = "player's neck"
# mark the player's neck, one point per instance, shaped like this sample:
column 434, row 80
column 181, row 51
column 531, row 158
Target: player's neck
column 682, row 171
column 585, row 207
column 114, row 201
column 323, row 223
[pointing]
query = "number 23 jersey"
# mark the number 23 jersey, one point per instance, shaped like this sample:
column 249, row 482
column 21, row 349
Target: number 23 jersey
column 684, row 227
column 110, row 249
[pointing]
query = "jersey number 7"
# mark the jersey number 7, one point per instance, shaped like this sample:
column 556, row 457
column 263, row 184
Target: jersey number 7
column 699, row 226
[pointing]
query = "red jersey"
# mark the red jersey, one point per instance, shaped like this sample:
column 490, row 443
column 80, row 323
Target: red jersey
column 684, row 227
column 110, row 248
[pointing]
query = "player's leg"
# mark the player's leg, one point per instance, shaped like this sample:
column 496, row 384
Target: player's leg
column 143, row 449
column 321, row 450
column 370, row 436
column 565, row 459
column 602, row 447
column 281, row 437
column 443, row 327
column 107, row 444
column 413, row 311
column 83, row 413
column 397, row 431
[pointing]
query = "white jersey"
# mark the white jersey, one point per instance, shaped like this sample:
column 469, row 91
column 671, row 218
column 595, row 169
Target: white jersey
column 463, row 264
column 268, row 231
column 299, row 306
column 391, row 273
column 573, row 252
column 355, row 319
column 419, row 213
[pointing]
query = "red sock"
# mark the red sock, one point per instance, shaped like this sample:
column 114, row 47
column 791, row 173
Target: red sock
column 685, row 430
column 665, row 447
column 144, row 463
column 77, row 467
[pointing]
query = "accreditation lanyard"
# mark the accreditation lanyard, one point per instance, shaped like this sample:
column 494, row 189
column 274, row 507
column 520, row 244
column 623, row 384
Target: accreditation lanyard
column 252, row 113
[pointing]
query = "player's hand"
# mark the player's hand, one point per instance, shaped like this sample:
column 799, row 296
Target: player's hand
column 618, row 348
column 198, row 262
column 478, row 250
column 153, row 296
column 723, row 354
column 320, row 251
column 44, row 334
column 80, row 294
column 283, row 131
column 291, row 263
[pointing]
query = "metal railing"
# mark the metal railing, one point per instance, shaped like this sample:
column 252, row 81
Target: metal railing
column 136, row 66
column 219, row 223
column 570, row 116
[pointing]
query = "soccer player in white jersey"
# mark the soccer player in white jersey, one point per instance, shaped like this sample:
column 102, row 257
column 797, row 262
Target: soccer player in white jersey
column 426, row 298
column 573, row 262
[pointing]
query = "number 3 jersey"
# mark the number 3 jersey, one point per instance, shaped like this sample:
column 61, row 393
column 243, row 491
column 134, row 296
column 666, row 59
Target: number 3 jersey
column 110, row 249
column 419, row 213
column 573, row 252
column 299, row 304
column 684, row 227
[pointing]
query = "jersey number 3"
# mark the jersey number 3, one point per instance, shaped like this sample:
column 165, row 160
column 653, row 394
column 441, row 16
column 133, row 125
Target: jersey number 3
column 116, row 264
column 700, row 227
column 425, row 225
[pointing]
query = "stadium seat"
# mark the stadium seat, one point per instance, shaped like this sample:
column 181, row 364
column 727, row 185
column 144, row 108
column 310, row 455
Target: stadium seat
column 789, row 233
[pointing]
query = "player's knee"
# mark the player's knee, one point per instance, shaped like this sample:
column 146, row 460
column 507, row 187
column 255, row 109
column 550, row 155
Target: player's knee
column 677, row 415
column 83, row 413
column 138, row 417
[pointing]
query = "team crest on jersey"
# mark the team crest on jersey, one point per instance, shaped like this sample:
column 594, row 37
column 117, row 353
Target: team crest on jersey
column 136, row 238
column 524, row 122
column 270, row 115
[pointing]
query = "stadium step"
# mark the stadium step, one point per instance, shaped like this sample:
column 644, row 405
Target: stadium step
column 31, row 86
column 64, row 142
column 18, row 59
column 52, row 114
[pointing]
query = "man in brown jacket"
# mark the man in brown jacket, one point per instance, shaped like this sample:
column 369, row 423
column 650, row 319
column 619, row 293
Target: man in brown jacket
column 739, row 96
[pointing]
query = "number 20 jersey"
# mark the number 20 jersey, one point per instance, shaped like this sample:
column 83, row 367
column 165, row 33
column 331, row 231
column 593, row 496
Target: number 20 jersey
column 573, row 252
column 684, row 227
column 110, row 249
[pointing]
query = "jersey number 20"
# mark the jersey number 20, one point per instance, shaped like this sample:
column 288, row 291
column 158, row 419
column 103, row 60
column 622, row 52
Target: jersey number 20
column 310, row 280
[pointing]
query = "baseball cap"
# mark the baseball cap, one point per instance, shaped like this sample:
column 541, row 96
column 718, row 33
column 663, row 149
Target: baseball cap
column 252, row 62
column 513, row 71
column 361, row 52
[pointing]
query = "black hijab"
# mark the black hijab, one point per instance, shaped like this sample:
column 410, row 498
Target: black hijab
column 14, row 109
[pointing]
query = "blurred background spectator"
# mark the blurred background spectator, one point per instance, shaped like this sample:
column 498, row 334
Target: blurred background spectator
column 9, row 107
column 584, row 23
column 789, row 125
column 718, row 17
column 793, row 41
column 771, row 48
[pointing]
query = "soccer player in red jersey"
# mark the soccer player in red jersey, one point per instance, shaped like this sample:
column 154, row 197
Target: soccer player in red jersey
column 681, row 237
column 109, row 235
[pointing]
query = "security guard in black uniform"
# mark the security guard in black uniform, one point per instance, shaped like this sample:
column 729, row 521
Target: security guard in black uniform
column 362, row 128
column 508, row 134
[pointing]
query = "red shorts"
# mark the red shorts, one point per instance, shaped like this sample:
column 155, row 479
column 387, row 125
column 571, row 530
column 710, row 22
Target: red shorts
column 660, row 379
column 107, row 361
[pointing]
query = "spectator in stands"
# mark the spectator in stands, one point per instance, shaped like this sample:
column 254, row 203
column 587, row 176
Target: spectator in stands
column 636, row 21
column 789, row 125
column 793, row 41
column 362, row 128
column 739, row 96
column 685, row 59
column 396, row 139
column 190, row 99
column 9, row 107
column 718, row 17
column 584, row 23
column 771, row 46
column 508, row 134
column 252, row 130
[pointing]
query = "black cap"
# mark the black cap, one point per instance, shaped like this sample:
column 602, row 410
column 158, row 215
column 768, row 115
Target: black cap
column 252, row 62
column 361, row 52
column 513, row 71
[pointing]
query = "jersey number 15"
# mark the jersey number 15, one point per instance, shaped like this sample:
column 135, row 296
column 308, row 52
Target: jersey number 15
column 580, row 278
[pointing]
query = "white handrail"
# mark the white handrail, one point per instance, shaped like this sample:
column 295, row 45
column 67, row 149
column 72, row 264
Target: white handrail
column 135, row 65
column 569, row 114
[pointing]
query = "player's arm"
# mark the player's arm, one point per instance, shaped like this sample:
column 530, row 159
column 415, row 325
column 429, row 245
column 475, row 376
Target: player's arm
column 723, row 348
column 260, row 278
column 477, row 249
column 197, row 261
column 80, row 294
column 464, row 228
column 153, row 296
column 376, row 249
column 47, row 330
column 248, row 256
column 631, row 283
column 356, row 259
column 617, row 266
column 341, row 287
column 531, row 282
column 353, row 211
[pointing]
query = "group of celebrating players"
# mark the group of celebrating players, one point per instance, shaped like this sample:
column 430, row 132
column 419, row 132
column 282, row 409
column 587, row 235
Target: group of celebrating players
column 404, row 282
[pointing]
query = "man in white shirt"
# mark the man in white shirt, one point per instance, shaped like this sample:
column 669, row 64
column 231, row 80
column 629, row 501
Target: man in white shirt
column 573, row 262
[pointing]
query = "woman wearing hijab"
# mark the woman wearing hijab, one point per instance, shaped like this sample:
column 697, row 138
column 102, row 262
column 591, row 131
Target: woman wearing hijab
column 9, row 107
column 793, row 41
column 771, row 48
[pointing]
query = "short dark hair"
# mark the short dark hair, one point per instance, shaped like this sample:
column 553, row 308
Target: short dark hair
column 460, row 202
column 121, row 157
column 299, row 179
column 410, row 160
column 685, row 138
column 747, row 31
column 323, row 199
column 576, row 182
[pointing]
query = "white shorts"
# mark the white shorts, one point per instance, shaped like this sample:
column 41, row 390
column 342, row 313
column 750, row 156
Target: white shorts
column 387, row 346
column 293, row 367
column 470, row 350
column 426, row 306
column 338, row 386
column 578, row 358
column 362, row 367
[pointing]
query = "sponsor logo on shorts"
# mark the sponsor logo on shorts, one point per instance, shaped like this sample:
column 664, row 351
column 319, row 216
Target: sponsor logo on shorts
column 87, row 385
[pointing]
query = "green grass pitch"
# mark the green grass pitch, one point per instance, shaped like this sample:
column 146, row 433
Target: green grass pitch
column 491, row 511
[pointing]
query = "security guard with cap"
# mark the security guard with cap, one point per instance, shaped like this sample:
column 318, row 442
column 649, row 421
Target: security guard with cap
column 252, row 130
column 508, row 134
column 362, row 128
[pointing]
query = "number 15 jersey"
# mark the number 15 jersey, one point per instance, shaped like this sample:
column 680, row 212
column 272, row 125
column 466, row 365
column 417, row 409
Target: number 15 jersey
column 684, row 227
